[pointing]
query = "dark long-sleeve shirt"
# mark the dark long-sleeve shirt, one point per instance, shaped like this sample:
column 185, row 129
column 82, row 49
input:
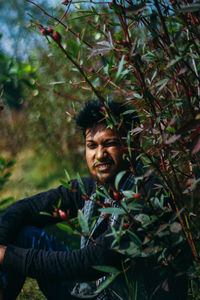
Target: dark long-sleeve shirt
column 61, row 265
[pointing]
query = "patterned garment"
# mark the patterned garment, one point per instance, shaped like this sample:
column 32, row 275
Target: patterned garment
column 90, row 209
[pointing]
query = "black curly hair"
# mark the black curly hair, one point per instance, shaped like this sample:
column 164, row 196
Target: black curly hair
column 93, row 113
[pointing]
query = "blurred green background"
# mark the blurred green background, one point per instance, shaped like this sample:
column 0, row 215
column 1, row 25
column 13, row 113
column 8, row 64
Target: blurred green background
column 38, row 136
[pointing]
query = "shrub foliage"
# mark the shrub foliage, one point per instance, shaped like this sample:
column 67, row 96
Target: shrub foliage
column 146, row 54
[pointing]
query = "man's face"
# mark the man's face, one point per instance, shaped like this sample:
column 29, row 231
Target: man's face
column 104, row 153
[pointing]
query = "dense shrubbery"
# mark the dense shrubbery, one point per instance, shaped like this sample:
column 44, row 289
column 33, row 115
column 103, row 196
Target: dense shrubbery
column 147, row 55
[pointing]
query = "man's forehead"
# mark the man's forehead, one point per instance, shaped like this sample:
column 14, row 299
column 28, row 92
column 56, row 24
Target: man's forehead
column 100, row 128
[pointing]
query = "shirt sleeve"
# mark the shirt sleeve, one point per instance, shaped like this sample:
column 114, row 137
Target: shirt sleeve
column 28, row 211
column 62, row 265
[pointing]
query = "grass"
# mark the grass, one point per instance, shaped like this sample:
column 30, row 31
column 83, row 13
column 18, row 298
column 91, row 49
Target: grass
column 31, row 291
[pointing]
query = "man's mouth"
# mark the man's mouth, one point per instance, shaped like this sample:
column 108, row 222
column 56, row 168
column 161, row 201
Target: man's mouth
column 103, row 166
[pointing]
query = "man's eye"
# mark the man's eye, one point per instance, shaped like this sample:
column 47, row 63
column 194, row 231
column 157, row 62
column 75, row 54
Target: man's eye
column 112, row 144
column 91, row 146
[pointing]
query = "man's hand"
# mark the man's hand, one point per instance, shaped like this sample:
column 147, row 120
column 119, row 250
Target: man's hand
column 2, row 252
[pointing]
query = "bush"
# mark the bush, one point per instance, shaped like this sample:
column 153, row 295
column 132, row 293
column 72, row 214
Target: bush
column 147, row 55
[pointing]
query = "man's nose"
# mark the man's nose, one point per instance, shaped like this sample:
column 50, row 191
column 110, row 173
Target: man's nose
column 101, row 153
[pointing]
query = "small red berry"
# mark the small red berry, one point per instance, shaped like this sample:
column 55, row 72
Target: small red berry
column 106, row 215
column 57, row 37
column 50, row 30
column 88, row 20
column 125, row 225
column 55, row 214
column 63, row 215
column 103, row 109
column 190, row 93
column 126, row 58
column 43, row 31
column 118, row 42
column 65, row 2
column 107, row 204
column 149, row 236
column 117, row 196
column 1, row 106
column 110, row 5
column 85, row 197
column 137, row 196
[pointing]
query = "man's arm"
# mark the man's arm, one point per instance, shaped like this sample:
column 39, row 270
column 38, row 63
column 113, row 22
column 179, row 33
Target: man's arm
column 61, row 265
column 28, row 211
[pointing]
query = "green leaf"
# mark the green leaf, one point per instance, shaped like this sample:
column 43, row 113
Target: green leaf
column 129, row 248
column 138, row 96
column 106, row 269
column 80, row 182
column 189, row 8
column 171, row 129
column 175, row 227
column 100, row 194
column 120, row 68
column 118, row 178
column 111, row 60
column 135, row 239
column 135, row 206
column 109, row 124
column 93, row 223
column 105, row 62
column 149, row 56
column 94, row 10
column 129, row 144
column 59, row 203
column 74, row 48
column 105, row 283
column 113, row 120
column 105, row 192
column 66, row 184
column 143, row 218
column 173, row 61
column 122, row 75
column 112, row 210
column 129, row 194
column 116, row 236
column 57, row 82
column 83, row 222
column 65, row 227
column 44, row 213
column 130, row 111
column 161, row 82
column 67, row 175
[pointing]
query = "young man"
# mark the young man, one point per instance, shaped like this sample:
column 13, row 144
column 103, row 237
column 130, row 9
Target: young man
column 29, row 251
